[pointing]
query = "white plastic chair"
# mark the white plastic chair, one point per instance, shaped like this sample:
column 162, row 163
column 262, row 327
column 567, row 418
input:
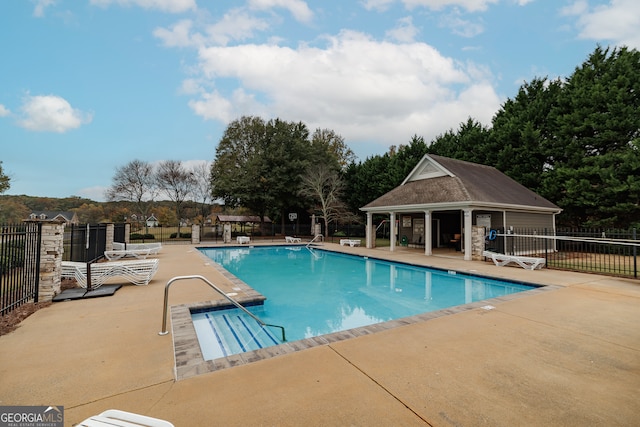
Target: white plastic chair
column 138, row 272
column 117, row 418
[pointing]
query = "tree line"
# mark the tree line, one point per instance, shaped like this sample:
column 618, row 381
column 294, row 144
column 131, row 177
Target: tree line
column 574, row 141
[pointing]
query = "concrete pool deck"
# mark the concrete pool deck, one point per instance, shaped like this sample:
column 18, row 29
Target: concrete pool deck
column 566, row 356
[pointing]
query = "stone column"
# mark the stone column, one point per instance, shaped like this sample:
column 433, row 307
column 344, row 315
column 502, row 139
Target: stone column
column 478, row 238
column 51, row 250
column 108, row 244
column 195, row 234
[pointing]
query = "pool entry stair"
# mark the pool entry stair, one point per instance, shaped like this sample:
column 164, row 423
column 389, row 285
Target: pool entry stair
column 231, row 331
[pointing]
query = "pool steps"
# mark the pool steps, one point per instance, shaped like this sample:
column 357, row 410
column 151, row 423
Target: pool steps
column 232, row 332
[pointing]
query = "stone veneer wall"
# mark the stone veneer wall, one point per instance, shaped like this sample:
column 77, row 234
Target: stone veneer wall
column 108, row 245
column 51, row 251
column 477, row 242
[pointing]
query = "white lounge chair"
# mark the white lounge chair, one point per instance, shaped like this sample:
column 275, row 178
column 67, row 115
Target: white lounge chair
column 350, row 242
column 290, row 239
column 117, row 418
column 127, row 253
column 528, row 263
column 243, row 239
column 138, row 272
column 153, row 247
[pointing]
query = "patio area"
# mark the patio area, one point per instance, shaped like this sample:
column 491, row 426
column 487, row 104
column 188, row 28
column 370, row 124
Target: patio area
column 567, row 356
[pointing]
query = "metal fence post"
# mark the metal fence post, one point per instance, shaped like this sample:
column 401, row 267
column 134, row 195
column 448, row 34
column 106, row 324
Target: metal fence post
column 635, row 256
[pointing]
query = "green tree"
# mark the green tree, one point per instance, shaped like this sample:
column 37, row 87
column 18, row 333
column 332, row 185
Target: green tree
column 5, row 183
column 522, row 133
column 12, row 210
column 330, row 147
column 470, row 143
column 597, row 116
column 232, row 176
column 258, row 165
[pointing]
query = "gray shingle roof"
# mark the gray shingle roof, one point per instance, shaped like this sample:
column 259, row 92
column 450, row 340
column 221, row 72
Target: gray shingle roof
column 471, row 183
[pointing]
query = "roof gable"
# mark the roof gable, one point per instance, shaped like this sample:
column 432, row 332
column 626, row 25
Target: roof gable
column 425, row 169
column 438, row 180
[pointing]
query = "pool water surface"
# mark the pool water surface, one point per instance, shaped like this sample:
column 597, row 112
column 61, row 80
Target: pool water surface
column 314, row 292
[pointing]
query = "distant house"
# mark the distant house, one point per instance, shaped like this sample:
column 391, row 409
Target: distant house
column 152, row 221
column 442, row 199
column 67, row 216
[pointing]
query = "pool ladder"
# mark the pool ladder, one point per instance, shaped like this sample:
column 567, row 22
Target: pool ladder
column 164, row 330
column 319, row 237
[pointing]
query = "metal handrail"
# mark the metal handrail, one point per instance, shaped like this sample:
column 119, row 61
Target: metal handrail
column 314, row 239
column 164, row 330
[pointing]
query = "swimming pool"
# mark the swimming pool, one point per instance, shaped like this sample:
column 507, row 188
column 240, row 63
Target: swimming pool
column 313, row 292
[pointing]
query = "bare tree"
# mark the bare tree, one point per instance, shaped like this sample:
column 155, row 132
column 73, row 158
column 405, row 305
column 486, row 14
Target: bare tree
column 135, row 183
column 176, row 182
column 324, row 186
column 202, row 188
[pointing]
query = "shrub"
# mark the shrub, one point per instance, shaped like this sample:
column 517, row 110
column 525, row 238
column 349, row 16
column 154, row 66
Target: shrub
column 140, row 236
column 182, row 235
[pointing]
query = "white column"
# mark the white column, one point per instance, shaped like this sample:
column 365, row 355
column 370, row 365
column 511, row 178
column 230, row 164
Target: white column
column 369, row 231
column 427, row 233
column 392, row 231
column 468, row 225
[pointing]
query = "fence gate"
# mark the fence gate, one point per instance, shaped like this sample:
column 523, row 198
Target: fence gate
column 19, row 264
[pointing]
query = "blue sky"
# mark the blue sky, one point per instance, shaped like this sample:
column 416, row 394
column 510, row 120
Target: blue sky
column 87, row 86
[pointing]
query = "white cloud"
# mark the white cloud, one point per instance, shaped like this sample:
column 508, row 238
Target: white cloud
column 51, row 113
column 405, row 31
column 4, row 111
column 298, row 8
column 379, row 5
column 41, row 5
column 235, row 25
column 460, row 26
column 362, row 88
column 617, row 21
column 171, row 6
column 469, row 5
column 178, row 35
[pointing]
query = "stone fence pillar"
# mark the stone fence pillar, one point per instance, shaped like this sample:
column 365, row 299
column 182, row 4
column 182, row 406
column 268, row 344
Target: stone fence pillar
column 195, row 234
column 108, row 244
column 51, row 250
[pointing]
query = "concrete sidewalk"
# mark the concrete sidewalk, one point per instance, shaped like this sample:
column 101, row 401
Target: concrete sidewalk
column 568, row 356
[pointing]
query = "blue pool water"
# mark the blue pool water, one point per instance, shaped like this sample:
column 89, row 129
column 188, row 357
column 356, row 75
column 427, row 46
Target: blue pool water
column 314, row 292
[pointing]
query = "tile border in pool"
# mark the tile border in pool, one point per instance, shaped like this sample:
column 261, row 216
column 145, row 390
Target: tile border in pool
column 189, row 361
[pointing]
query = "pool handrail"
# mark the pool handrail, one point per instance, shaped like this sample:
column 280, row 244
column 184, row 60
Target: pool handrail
column 164, row 330
column 317, row 236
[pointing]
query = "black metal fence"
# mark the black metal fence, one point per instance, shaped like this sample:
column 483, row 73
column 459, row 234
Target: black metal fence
column 85, row 242
column 276, row 232
column 611, row 252
column 19, row 264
